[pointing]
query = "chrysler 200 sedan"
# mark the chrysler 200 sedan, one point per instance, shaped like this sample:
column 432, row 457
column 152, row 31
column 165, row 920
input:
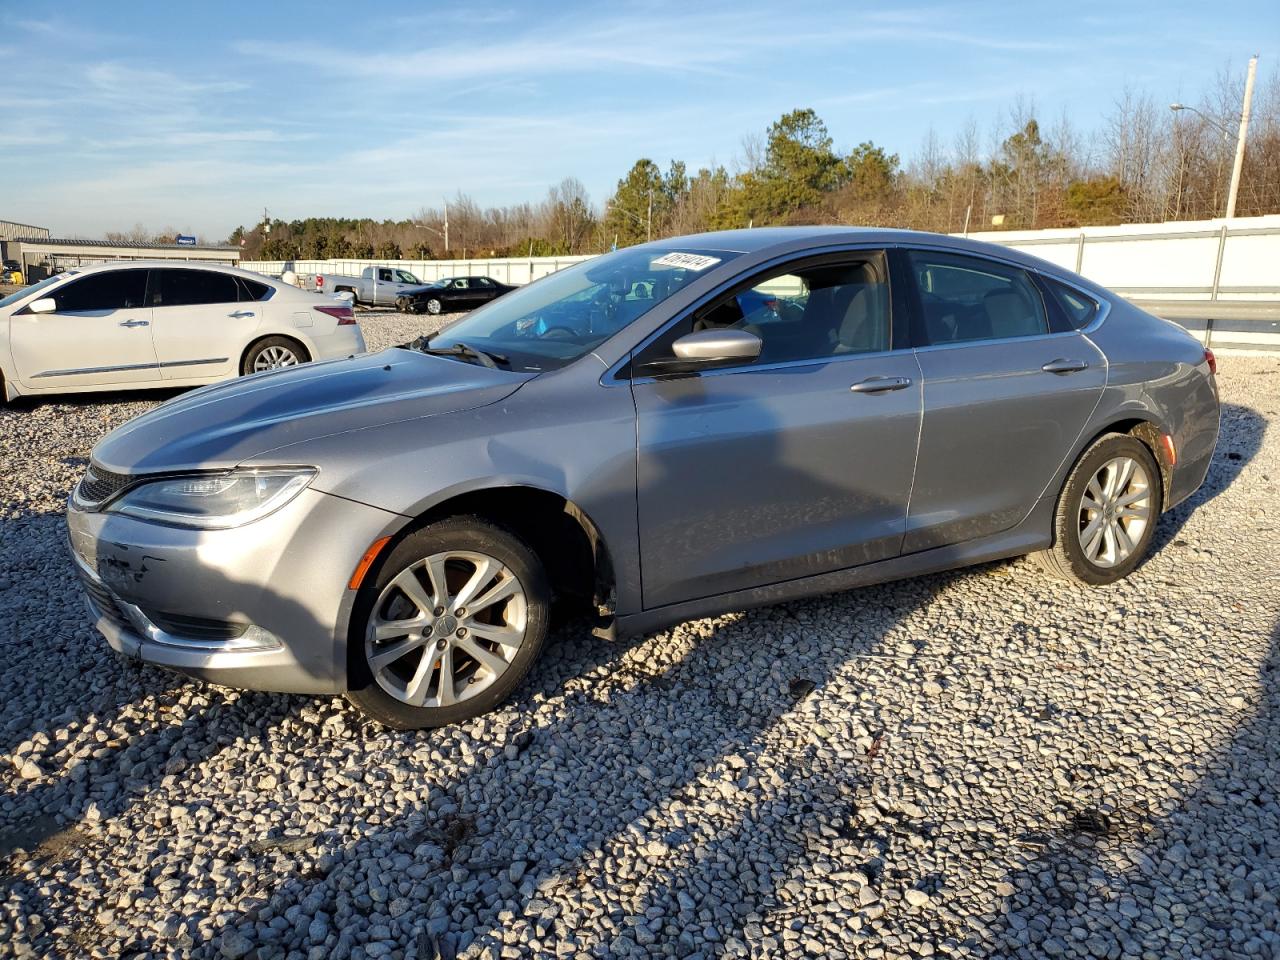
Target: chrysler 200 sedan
column 666, row 432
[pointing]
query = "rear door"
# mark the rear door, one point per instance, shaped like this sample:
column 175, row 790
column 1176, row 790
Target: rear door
column 796, row 464
column 203, row 321
column 1007, row 391
column 100, row 334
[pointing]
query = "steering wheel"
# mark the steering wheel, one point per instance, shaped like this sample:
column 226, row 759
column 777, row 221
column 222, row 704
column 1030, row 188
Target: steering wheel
column 558, row 333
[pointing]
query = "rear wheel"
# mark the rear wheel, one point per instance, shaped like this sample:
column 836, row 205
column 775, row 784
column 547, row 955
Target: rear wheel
column 271, row 353
column 1107, row 513
column 450, row 625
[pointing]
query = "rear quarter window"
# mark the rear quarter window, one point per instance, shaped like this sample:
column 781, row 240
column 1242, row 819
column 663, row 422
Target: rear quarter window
column 1078, row 308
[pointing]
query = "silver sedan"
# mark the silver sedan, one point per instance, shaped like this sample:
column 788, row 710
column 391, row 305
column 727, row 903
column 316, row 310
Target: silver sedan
column 666, row 432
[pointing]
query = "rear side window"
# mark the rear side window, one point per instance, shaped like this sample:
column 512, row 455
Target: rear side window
column 252, row 289
column 1079, row 309
column 188, row 288
column 968, row 298
column 110, row 290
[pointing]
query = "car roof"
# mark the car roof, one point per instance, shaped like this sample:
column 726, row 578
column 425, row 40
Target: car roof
column 169, row 264
column 788, row 240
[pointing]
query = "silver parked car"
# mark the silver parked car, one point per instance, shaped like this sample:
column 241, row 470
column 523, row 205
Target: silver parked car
column 163, row 323
column 665, row 432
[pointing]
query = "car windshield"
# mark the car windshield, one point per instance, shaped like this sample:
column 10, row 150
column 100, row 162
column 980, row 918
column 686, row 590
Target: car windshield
column 27, row 291
column 564, row 316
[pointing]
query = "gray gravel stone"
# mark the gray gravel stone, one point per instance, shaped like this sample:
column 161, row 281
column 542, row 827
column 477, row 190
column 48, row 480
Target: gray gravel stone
column 977, row 763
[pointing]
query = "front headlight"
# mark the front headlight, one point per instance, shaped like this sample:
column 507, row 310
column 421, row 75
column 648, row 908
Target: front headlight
column 214, row 501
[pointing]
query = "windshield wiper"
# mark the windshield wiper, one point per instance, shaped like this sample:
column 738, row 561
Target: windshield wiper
column 460, row 349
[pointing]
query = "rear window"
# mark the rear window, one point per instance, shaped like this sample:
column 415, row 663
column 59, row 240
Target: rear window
column 1079, row 309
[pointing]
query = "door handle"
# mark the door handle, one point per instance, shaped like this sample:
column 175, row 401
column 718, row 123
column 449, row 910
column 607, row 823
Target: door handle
column 135, row 323
column 241, row 313
column 880, row 384
column 1062, row 365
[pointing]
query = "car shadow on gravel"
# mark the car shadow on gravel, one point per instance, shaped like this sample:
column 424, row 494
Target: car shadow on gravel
column 544, row 820
column 1137, row 874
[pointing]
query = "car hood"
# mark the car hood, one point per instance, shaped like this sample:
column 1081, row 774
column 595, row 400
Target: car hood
column 220, row 426
column 425, row 288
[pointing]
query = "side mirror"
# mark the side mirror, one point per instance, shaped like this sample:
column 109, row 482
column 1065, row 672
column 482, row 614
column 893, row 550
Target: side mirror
column 43, row 305
column 705, row 350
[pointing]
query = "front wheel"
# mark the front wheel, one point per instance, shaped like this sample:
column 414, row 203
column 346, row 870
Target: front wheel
column 1107, row 513
column 450, row 625
column 434, row 306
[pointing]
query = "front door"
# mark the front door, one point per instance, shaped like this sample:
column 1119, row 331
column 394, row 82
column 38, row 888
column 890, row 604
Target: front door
column 796, row 464
column 100, row 333
column 1005, row 397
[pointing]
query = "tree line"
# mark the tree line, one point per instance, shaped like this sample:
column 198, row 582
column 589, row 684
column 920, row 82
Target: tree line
column 1145, row 164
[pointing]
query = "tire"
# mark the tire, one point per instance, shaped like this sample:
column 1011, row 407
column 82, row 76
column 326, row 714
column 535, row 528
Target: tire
column 435, row 307
column 452, row 549
column 1131, row 502
column 271, row 353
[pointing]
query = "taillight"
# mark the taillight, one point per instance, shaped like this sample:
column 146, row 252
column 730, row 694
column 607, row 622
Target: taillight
column 346, row 316
column 319, row 282
column 1211, row 361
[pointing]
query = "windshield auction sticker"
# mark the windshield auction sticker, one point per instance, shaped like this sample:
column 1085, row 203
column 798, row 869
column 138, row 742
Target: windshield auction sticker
column 690, row 261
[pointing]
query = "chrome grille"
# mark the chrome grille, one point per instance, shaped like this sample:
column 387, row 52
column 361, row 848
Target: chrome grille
column 98, row 484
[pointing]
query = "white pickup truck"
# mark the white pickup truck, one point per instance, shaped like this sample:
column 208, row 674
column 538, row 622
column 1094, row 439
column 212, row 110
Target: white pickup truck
column 376, row 286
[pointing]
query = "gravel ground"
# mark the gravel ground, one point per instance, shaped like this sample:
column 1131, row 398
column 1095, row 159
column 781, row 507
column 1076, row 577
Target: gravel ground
column 981, row 763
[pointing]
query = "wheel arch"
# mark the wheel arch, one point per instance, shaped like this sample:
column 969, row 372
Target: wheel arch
column 1143, row 428
column 565, row 538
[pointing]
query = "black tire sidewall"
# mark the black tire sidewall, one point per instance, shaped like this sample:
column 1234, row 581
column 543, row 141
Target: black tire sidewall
column 1067, row 517
column 458, row 533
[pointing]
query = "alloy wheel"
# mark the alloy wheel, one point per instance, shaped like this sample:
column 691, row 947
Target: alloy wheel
column 1115, row 511
column 274, row 357
column 446, row 628
column 433, row 306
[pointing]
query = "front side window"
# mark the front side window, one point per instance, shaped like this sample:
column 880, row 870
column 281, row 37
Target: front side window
column 404, row 276
column 968, row 298
column 460, row 283
column 109, row 290
column 188, row 288
column 829, row 308
column 34, row 288
column 564, row 316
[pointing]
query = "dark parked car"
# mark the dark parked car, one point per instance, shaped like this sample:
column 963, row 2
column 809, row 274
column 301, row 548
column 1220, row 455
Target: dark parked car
column 451, row 293
column 635, row 436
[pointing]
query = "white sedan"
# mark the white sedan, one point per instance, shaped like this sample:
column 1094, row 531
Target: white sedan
column 162, row 324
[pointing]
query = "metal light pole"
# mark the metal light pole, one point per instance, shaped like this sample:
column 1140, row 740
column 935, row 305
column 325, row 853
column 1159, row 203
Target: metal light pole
column 1238, row 166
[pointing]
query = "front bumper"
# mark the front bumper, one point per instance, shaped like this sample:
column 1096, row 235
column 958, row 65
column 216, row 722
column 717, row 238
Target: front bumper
column 279, row 584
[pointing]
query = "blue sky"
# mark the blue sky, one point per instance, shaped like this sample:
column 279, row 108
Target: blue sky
column 200, row 115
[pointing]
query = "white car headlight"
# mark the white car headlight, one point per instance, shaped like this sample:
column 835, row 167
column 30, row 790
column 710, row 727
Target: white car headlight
column 214, row 501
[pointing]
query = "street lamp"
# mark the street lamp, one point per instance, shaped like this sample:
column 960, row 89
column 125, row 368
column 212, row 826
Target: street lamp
column 1226, row 132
